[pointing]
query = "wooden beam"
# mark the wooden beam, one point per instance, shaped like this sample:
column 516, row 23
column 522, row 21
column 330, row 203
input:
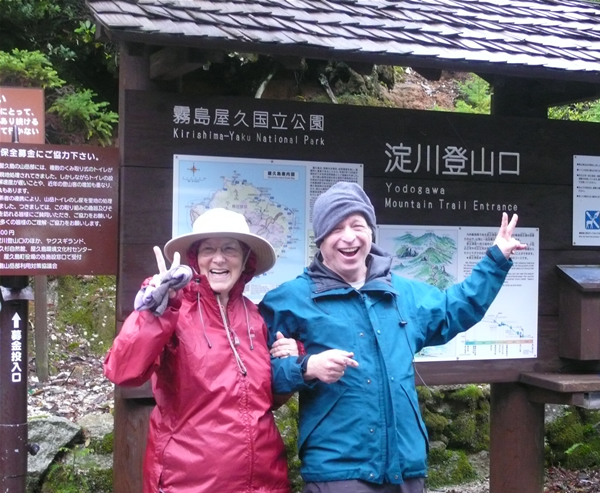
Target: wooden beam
column 514, row 96
column 361, row 68
column 432, row 74
column 291, row 62
column 173, row 62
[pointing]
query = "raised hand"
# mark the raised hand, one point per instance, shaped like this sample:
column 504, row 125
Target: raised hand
column 162, row 268
column 504, row 239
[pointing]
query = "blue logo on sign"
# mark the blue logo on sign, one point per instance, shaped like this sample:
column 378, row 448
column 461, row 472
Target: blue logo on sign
column 592, row 219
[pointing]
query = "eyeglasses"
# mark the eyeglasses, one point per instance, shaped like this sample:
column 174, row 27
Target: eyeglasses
column 230, row 251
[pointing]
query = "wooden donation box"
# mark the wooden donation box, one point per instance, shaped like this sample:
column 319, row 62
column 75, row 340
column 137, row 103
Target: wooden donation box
column 579, row 312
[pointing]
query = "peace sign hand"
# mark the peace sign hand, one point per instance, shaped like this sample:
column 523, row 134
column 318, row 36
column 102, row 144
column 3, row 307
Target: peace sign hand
column 162, row 269
column 504, row 240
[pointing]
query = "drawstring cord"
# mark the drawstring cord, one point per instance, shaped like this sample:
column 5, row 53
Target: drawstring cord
column 249, row 329
column 228, row 331
column 203, row 324
column 232, row 342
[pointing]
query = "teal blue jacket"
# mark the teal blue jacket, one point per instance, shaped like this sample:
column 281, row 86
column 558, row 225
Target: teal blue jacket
column 368, row 425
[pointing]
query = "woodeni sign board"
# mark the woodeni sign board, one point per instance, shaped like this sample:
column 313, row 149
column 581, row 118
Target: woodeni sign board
column 58, row 210
column 22, row 110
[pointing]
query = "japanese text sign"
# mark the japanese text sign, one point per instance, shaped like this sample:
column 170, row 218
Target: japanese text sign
column 58, row 210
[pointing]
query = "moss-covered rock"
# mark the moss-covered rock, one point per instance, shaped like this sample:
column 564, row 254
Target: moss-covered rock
column 436, row 425
column 447, row 467
column 286, row 418
column 573, row 439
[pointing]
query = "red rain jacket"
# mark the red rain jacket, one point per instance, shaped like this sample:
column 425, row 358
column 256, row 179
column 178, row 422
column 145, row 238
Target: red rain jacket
column 212, row 430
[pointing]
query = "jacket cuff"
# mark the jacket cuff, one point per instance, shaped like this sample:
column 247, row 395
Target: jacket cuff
column 496, row 255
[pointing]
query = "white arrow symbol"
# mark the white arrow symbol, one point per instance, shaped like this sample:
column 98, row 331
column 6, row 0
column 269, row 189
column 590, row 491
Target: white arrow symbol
column 16, row 319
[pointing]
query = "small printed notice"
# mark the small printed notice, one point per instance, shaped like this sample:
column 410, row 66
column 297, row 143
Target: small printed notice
column 275, row 196
column 586, row 200
column 58, row 209
column 445, row 255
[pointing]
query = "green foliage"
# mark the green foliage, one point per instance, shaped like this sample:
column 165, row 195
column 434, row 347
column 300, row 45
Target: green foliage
column 475, row 96
column 68, row 475
column 400, row 73
column 457, row 416
column 286, row 418
column 51, row 44
column 470, row 395
column 87, row 305
column 27, row 69
column 61, row 29
column 469, row 431
column 449, row 467
column 583, row 112
column 436, row 425
column 78, row 111
column 104, row 445
column 573, row 439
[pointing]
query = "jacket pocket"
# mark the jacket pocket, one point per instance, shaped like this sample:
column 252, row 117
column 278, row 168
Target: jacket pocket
column 316, row 408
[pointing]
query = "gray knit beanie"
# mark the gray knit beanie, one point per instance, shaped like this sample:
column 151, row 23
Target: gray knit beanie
column 336, row 204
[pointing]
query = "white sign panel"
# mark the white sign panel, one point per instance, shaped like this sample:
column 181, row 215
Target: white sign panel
column 445, row 255
column 276, row 197
column 586, row 200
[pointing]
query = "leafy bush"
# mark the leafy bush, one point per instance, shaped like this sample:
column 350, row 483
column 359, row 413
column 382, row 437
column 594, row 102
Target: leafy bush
column 78, row 111
column 475, row 96
column 27, row 69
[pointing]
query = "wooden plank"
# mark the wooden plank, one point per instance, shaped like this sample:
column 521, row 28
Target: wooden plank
column 172, row 62
column 563, row 382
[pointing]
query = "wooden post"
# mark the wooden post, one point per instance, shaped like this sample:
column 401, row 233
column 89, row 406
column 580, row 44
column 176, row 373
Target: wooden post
column 131, row 415
column 41, row 327
column 516, row 441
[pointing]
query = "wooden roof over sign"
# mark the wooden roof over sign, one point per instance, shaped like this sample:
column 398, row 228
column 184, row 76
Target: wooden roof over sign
column 556, row 39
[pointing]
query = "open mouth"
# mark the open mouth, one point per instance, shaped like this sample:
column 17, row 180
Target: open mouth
column 218, row 273
column 349, row 252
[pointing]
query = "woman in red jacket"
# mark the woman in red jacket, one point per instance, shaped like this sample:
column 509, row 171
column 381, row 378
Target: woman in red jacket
column 204, row 346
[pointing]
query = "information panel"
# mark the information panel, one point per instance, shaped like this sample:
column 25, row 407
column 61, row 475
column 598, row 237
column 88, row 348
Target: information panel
column 443, row 256
column 586, row 200
column 58, row 209
column 275, row 196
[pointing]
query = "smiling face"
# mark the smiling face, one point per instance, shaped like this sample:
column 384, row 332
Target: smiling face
column 345, row 249
column 221, row 260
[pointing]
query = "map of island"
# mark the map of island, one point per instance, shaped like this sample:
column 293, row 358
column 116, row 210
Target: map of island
column 270, row 195
column 271, row 220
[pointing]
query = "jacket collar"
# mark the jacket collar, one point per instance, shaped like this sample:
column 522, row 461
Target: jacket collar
column 324, row 280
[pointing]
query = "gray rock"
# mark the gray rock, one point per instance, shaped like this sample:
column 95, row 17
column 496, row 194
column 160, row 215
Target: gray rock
column 97, row 426
column 51, row 434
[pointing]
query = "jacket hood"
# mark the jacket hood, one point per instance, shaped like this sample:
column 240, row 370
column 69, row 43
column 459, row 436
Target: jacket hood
column 379, row 266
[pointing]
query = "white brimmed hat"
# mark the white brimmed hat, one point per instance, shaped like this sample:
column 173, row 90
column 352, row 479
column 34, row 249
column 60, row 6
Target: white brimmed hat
column 221, row 223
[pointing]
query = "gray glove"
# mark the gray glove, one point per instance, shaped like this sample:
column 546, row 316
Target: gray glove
column 156, row 298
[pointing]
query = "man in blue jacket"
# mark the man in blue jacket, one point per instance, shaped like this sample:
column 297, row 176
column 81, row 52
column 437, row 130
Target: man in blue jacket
column 361, row 430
